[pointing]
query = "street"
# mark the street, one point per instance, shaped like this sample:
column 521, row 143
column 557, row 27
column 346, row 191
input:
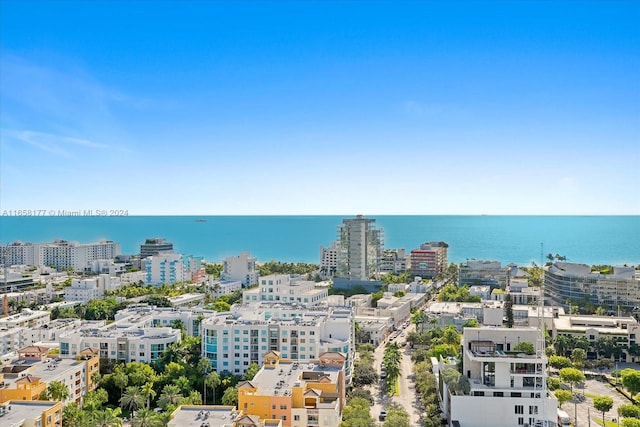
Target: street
column 407, row 396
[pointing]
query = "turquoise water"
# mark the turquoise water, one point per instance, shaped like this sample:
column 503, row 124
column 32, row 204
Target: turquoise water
column 586, row 239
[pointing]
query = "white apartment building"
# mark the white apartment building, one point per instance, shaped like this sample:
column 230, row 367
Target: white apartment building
column 106, row 266
column 490, row 273
column 121, row 344
column 506, row 388
column 329, row 260
column 27, row 318
column 170, row 268
column 83, row 290
column 222, row 287
column 234, row 340
column 575, row 282
column 286, row 289
column 241, row 267
column 61, row 254
column 145, row 316
column 394, row 261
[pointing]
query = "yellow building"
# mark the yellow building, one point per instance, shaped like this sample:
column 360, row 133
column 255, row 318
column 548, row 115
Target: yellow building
column 27, row 387
column 301, row 394
column 27, row 377
column 216, row 416
column 28, row 414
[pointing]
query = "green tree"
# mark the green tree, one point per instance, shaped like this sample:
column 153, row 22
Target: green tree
column 563, row 396
column 170, row 396
column 120, row 378
column 571, row 376
column 559, row 362
column 397, row 417
column 251, row 371
column 603, row 404
column 629, row 411
column 149, row 393
column 109, row 417
column 630, row 422
column 631, row 380
column 57, row 390
column 146, row 418
column 132, row 399
column 212, row 380
column 95, row 399
column 578, row 355
column 508, row 307
column 230, row 396
column 140, row 373
column 524, row 347
column 357, row 414
column 361, row 393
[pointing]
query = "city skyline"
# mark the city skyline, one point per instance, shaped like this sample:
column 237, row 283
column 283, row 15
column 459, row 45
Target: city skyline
column 320, row 107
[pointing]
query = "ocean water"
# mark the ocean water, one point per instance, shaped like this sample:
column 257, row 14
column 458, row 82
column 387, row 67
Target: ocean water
column 519, row 239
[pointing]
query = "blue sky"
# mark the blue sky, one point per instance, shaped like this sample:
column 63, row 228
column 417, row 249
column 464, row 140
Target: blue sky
column 212, row 107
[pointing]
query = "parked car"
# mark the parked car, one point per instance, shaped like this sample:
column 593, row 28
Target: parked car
column 383, row 415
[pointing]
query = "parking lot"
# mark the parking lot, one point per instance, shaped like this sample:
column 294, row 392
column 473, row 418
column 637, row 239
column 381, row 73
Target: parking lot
column 586, row 413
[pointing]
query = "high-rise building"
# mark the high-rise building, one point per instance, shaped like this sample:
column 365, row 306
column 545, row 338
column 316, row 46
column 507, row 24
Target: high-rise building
column 429, row 260
column 242, row 268
column 360, row 244
column 154, row 246
column 171, row 268
column 329, row 260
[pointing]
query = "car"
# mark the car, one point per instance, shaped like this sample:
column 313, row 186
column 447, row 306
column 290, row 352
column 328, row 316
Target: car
column 383, row 415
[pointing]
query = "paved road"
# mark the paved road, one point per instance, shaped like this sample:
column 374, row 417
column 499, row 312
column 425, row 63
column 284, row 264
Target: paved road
column 407, row 396
column 586, row 410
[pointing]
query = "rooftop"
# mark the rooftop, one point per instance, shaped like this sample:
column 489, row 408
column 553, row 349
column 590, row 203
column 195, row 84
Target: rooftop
column 287, row 375
column 203, row 415
column 22, row 411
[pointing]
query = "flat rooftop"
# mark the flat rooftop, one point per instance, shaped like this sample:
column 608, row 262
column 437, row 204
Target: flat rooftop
column 22, row 411
column 286, row 375
column 196, row 415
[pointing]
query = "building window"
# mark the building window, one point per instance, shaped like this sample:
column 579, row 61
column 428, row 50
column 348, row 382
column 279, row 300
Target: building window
column 296, row 418
column 520, row 421
column 520, row 409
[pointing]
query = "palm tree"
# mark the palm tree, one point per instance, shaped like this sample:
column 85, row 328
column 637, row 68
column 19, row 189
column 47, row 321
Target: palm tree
column 132, row 399
column 148, row 392
column 146, row 418
column 57, row 391
column 170, row 396
column 119, row 378
column 107, row 418
column 212, row 380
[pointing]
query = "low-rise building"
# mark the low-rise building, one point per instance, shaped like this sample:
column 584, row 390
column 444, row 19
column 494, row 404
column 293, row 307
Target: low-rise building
column 222, row 287
column 83, row 290
column 27, row 318
column 121, row 344
column 145, row 316
column 394, row 261
column 18, row 413
column 186, row 300
column 286, row 289
column 623, row 331
column 300, row 394
column 487, row 273
column 27, row 377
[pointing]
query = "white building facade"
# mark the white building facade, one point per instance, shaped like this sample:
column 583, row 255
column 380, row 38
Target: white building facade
column 241, row 267
column 234, row 340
